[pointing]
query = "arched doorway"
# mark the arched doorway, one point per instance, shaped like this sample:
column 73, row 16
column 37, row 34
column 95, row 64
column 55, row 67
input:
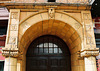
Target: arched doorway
column 48, row 53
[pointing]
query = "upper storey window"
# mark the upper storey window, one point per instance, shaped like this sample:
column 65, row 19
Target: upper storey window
column 51, row 0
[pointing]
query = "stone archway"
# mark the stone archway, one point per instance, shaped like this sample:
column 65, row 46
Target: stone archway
column 78, row 36
column 53, row 27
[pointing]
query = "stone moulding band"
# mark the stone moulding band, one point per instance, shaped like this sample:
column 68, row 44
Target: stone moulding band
column 11, row 53
column 88, row 52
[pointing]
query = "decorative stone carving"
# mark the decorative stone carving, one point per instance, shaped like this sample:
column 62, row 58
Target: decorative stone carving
column 13, row 27
column 12, row 40
column 14, row 15
column 87, row 16
column 14, row 21
column 89, row 27
column 86, row 52
column 51, row 12
column 12, row 51
column 89, row 40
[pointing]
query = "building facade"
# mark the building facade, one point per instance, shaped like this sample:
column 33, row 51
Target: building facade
column 53, row 35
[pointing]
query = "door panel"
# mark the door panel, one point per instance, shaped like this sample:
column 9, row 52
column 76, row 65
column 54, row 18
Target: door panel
column 37, row 63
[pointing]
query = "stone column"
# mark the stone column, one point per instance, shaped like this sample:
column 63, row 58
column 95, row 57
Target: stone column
column 90, row 63
column 10, row 64
column 10, row 59
column 89, row 56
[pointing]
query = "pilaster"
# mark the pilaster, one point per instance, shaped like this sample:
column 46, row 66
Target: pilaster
column 10, row 51
column 11, row 45
column 89, row 50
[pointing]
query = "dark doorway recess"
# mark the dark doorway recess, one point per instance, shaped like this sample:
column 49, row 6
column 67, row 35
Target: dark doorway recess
column 48, row 53
column 51, row 0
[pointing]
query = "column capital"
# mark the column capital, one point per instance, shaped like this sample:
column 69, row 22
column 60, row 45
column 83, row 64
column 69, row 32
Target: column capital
column 12, row 52
column 87, row 52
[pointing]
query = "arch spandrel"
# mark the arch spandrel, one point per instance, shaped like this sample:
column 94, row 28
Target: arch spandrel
column 31, row 20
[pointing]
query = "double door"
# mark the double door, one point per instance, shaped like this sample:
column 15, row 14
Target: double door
column 48, row 63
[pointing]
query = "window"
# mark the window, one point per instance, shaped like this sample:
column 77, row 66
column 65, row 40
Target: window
column 47, row 44
column 51, row 0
